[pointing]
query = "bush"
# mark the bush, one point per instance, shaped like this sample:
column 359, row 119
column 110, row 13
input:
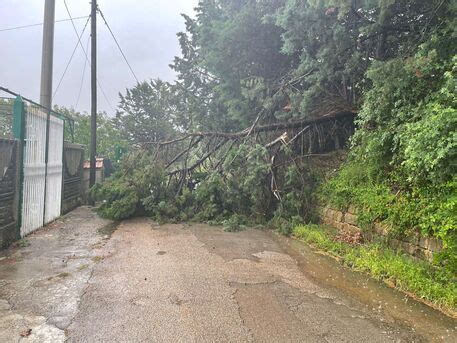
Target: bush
column 402, row 164
column 234, row 223
column 120, row 201
column 132, row 189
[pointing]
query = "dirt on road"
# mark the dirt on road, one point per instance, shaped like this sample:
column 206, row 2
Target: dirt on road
column 194, row 283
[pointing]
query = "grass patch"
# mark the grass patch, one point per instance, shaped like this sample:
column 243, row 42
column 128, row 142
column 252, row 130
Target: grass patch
column 434, row 285
column 23, row 243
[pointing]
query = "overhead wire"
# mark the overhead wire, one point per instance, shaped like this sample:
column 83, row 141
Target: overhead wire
column 87, row 58
column 38, row 24
column 118, row 45
column 71, row 58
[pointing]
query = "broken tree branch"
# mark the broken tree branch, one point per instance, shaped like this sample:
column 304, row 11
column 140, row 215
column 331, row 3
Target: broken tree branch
column 199, row 162
column 255, row 129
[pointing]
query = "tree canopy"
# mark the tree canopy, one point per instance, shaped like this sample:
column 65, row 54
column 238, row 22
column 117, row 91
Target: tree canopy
column 310, row 57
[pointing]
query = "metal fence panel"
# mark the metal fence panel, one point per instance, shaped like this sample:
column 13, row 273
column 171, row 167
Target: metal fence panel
column 40, row 132
column 34, row 170
column 54, row 170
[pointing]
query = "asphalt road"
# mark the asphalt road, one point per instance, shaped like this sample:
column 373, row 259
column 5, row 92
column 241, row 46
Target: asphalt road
column 192, row 283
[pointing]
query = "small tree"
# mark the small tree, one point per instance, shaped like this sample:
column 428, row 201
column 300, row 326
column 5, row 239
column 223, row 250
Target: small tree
column 145, row 112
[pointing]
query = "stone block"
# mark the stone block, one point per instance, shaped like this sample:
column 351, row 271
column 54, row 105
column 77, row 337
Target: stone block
column 330, row 213
column 431, row 243
column 435, row 245
column 410, row 248
column 326, row 220
column 340, row 226
column 428, row 255
column 350, row 219
column 352, row 209
column 381, row 229
column 326, row 212
column 413, row 238
column 423, row 242
column 424, row 254
column 353, row 229
column 336, row 215
column 395, row 243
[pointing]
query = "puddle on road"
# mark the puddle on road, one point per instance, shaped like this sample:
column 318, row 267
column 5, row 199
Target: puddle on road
column 374, row 295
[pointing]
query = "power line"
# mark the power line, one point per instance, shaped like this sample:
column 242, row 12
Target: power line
column 85, row 54
column 82, row 78
column 119, row 47
column 38, row 24
column 71, row 58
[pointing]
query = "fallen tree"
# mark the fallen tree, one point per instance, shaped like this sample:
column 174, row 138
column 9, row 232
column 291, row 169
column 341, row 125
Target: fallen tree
column 256, row 175
column 183, row 155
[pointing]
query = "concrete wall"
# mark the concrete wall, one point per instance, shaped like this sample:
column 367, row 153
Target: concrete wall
column 416, row 245
column 9, row 193
column 99, row 178
column 73, row 159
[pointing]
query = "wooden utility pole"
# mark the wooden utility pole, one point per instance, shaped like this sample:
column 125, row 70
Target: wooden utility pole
column 93, row 117
column 47, row 54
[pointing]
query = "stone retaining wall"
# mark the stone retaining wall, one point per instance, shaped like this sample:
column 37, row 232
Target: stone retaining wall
column 416, row 245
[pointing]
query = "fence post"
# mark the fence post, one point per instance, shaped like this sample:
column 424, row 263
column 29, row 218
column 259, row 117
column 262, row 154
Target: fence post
column 46, row 158
column 19, row 135
column 18, row 119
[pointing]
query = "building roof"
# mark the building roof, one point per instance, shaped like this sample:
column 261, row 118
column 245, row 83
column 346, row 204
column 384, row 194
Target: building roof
column 98, row 165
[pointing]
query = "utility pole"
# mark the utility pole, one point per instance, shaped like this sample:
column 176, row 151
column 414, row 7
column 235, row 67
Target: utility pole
column 47, row 54
column 93, row 117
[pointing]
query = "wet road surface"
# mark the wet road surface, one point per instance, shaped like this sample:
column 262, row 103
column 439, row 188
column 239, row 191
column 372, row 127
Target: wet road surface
column 194, row 283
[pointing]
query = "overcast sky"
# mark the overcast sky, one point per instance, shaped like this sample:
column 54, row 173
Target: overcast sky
column 145, row 29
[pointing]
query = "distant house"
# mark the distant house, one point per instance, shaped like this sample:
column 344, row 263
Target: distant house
column 103, row 170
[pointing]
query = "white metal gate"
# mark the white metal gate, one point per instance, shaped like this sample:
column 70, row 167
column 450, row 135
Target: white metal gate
column 54, row 170
column 41, row 198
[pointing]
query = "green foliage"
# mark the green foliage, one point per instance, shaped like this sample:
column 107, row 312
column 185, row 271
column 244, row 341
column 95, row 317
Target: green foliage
column 285, row 225
column 337, row 40
column 408, row 120
column 146, row 112
column 235, row 196
column 420, row 278
column 108, row 135
column 430, row 144
column 356, row 185
column 242, row 58
column 128, row 192
column 239, row 195
column 120, row 200
column 403, row 163
column 429, row 208
column 231, row 61
column 234, row 223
